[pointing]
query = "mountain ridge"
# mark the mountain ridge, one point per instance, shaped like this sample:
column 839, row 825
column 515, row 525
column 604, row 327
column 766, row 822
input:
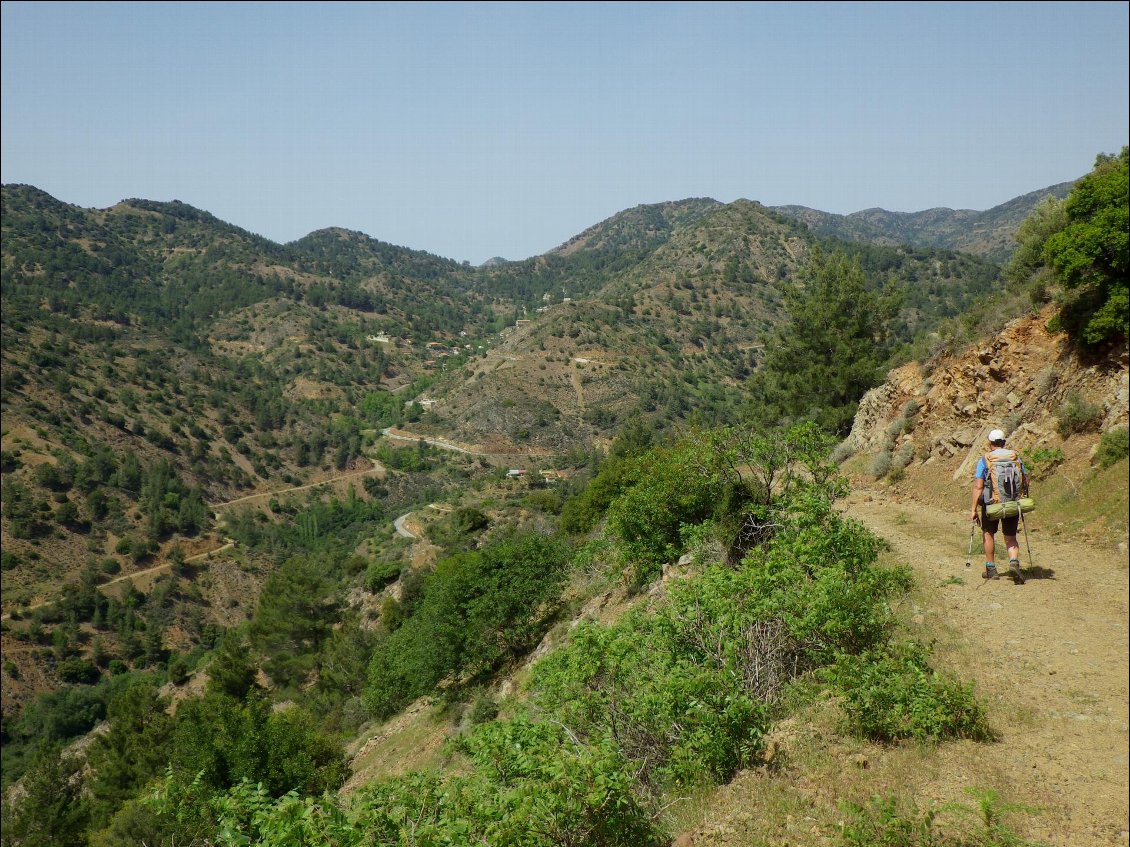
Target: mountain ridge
column 874, row 222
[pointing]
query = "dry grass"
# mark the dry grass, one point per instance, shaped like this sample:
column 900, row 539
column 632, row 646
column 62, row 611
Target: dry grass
column 412, row 740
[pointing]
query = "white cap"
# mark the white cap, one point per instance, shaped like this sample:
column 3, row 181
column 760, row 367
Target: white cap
column 996, row 435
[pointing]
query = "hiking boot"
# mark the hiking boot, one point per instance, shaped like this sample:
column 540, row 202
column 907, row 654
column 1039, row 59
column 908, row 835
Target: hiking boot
column 990, row 572
column 1015, row 570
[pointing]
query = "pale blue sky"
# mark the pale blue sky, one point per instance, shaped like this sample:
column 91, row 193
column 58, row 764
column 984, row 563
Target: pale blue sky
column 474, row 129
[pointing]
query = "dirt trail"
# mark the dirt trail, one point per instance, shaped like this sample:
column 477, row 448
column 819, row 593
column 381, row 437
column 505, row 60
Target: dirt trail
column 377, row 468
column 1049, row 657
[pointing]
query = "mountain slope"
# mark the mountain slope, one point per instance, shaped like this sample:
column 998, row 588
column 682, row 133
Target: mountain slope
column 673, row 335
column 989, row 233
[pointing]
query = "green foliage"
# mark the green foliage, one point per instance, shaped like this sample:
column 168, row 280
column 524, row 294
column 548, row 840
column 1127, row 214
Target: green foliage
column 530, row 785
column 1091, row 254
column 54, row 717
column 889, row 822
column 326, row 527
column 459, row 530
column 685, row 692
column 674, row 487
column 548, row 502
column 584, row 509
column 380, row 574
column 1027, row 265
column 479, row 609
column 818, row 576
column 133, row 750
column 1077, row 415
column 226, row 741
column 75, row 669
column 1114, row 446
column 416, row 459
column 649, row 687
column 1042, row 461
column 50, row 812
column 830, row 353
column 231, row 671
column 295, row 612
column 892, row 693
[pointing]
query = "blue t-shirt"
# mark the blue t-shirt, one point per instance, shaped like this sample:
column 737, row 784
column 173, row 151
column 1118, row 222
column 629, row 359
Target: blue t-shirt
column 982, row 472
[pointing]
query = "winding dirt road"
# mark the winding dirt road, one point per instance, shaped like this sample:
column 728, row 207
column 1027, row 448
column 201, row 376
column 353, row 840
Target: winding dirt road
column 1049, row 657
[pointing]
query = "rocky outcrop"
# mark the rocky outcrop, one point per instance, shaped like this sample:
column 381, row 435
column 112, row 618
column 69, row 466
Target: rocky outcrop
column 1020, row 381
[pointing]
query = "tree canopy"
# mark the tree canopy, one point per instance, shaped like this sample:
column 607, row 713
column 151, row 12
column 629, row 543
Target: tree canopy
column 1090, row 254
column 830, row 352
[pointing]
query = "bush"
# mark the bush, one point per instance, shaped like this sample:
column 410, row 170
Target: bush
column 381, row 574
column 904, row 456
column 889, row 822
column 1077, row 415
column 881, row 464
column 675, row 486
column 1114, row 446
column 844, row 451
column 897, row 427
column 478, row 610
column 79, row 670
column 892, row 693
column 672, row 711
column 1041, row 461
column 530, row 785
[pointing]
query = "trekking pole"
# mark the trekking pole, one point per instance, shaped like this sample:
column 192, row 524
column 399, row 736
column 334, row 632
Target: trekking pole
column 969, row 555
column 1027, row 543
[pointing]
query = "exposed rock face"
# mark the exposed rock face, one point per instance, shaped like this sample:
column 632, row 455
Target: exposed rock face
column 1018, row 382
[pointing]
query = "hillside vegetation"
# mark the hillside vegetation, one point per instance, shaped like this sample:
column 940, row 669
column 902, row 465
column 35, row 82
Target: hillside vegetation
column 340, row 542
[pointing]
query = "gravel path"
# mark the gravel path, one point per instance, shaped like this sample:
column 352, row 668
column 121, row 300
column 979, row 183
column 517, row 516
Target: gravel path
column 1050, row 657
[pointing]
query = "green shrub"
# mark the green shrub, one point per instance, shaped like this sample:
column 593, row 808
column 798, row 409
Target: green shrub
column 903, row 457
column 478, row 610
column 530, row 785
column 1077, row 415
column 380, row 574
column 881, row 464
column 674, row 487
column 1114, row 446
column 672, row 711
column 483, row 708
column 1041, row 461
column 79, row 670
column 543, row 501
column 890, row 822
column 892, row 693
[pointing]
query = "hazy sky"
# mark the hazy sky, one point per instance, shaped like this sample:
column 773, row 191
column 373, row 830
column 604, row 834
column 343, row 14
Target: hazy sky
column 474, row 129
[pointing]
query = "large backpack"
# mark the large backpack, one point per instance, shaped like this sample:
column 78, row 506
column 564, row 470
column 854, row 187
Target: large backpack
column 1006, row 481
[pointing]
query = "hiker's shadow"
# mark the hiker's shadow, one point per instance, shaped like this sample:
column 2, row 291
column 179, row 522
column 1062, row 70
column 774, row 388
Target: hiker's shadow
column 1035, row 572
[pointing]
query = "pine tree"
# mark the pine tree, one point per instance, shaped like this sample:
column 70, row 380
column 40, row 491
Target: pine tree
column 830, row 353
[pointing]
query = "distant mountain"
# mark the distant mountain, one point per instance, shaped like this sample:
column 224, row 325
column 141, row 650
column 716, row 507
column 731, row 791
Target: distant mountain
column 671, row 334
column 990, row 234
column 638, row 230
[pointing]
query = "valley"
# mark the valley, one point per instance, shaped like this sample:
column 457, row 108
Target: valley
column 321, row 514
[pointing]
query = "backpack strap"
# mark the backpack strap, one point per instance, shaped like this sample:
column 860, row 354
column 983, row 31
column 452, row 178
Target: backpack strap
column 993, row 487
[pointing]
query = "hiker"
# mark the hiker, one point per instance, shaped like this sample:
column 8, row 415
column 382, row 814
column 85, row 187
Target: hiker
column 983, row 484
